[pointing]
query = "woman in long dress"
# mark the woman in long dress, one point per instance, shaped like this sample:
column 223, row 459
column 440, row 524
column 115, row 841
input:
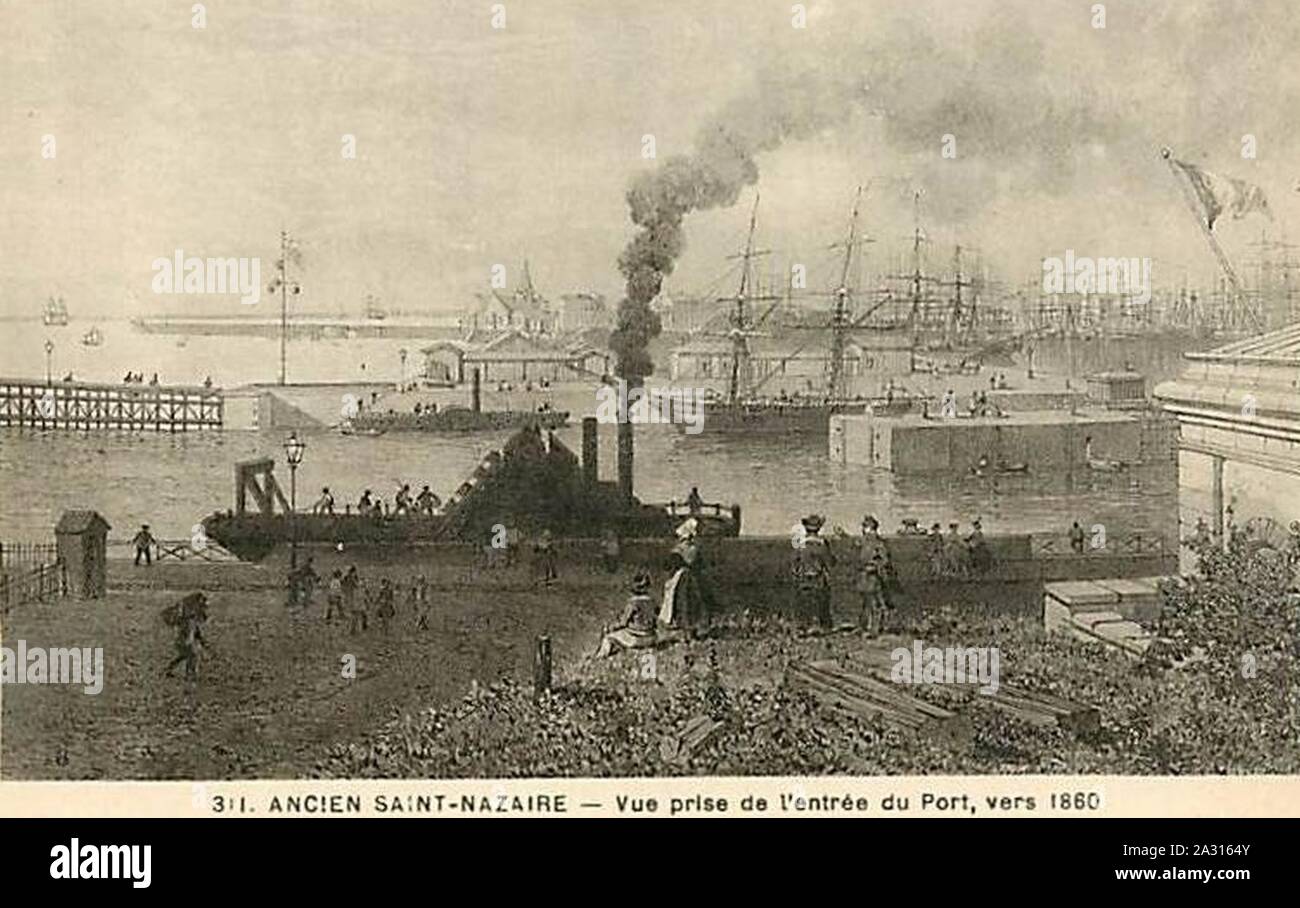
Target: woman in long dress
column 686, row 599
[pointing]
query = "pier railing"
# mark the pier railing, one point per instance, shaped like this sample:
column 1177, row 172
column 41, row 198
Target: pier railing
column 197, row 548
column 1130, row 544
column 29, row 403
column 682, row 509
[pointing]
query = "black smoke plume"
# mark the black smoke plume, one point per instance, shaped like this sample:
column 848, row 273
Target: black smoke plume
column 713, row 175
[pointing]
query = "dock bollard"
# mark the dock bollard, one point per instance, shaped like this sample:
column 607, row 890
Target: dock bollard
column 542, row 666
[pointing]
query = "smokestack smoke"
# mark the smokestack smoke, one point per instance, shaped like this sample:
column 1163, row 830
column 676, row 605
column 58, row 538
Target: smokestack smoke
column 885, row 85
column 720, row 166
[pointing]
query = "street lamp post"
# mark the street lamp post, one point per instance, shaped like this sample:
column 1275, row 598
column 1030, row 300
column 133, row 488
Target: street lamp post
column 49, row 352
column 293, row 451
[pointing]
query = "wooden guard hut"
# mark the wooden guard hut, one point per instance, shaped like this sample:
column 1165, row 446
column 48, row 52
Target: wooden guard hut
column 81, row 539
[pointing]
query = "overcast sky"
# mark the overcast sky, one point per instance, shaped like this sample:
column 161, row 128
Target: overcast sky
column 478, row 146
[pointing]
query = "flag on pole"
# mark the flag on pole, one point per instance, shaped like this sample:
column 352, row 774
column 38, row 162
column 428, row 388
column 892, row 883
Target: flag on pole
column 1218, row 194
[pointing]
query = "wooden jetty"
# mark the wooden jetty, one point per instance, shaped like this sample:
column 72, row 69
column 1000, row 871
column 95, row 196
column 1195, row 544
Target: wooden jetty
column 35, row 404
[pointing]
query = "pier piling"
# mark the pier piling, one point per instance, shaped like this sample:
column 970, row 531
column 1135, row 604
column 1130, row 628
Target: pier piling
column 590, row 451
column 542, row 665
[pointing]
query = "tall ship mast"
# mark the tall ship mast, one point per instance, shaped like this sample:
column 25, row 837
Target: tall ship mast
column 746, row 408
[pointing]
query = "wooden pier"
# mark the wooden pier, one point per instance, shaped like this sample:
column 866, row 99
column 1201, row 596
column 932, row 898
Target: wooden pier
column 34, row 404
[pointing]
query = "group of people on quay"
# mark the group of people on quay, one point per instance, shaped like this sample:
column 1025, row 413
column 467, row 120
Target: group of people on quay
column 355, row 603
column 404, row 504
column 137, row 378
column 812, row 567
column 687, row 604
column 953, row 554
column 979, row 405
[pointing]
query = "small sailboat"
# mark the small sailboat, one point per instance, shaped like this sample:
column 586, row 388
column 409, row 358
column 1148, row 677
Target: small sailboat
column 93, row 338
column 55, row 313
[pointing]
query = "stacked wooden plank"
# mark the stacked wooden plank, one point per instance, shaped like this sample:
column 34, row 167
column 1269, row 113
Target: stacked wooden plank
column 1041, row 709
column 867, row 697
column 697, row 732
column 1031, row 706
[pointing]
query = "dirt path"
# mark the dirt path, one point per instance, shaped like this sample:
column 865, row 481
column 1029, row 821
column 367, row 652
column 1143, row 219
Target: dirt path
column 271, row 696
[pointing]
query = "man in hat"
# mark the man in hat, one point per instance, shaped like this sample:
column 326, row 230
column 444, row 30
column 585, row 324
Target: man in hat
column 402, row 500
column 420, row 590
column 143, row 542
column 544, row 565
column 954, row 551
column 1076, row 538
column 978, row 555
column 334, row 597
column 934, row 550
column 948, row 406
column 427, row 502
column 385, row 605
column 636, row 628
column 188, row 616
column 348, row 587
column 693, row 501
column 874, row 569
column 811, row 569
column 302, row 583
column 325, row 504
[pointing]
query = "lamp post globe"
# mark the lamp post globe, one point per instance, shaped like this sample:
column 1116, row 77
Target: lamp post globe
column 294, row 448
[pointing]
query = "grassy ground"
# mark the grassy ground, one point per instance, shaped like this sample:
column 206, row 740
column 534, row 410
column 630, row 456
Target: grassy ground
column 272, row 701
column 271, row 695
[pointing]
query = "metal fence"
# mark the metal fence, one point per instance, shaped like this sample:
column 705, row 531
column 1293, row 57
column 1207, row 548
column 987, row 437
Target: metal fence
column 27, row 554
column 40, row 583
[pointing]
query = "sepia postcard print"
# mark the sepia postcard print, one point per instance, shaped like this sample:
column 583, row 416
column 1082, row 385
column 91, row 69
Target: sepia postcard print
column 521, row 393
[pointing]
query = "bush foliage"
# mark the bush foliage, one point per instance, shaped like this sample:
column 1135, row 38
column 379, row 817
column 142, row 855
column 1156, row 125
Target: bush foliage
column 1216, row 694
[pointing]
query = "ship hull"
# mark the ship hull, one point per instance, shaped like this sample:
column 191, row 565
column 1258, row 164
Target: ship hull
column 458, row 421
column 251, row 537
column 533, row 484
column 779, row 420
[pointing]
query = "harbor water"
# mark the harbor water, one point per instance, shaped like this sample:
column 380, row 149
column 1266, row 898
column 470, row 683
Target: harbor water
column 172, row 481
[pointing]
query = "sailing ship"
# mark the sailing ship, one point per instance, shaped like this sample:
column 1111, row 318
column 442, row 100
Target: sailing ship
column 747, row 410
column 374, row 311
column 56, row 312
column 953, row 332
column 92, row 338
